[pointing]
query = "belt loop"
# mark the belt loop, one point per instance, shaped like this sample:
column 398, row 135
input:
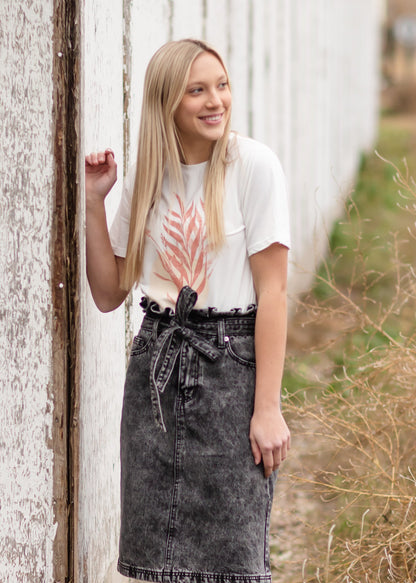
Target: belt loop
column 155, row 328
column 221, row 333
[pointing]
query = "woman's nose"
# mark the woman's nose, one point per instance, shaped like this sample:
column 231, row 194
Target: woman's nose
column 214, row 99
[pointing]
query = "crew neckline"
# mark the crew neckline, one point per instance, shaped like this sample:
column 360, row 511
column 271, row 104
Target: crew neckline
column 199, row 165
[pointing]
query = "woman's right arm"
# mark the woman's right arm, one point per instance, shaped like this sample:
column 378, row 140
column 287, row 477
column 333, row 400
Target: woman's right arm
column 103, row 267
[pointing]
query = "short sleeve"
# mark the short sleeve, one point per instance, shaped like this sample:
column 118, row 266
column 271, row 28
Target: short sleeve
column 119, row 231
column 264, row 199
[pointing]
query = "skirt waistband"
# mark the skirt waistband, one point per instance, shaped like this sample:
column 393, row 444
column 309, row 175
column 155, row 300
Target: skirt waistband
column 205, row 322
column 192, row 327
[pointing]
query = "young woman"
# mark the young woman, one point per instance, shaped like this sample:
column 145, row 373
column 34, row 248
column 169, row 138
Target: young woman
column 202, row 227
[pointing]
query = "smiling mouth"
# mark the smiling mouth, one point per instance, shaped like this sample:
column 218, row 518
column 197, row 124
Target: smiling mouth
column 212, row 118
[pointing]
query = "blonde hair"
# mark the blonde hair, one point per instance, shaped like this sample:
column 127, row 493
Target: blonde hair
column 160, row 148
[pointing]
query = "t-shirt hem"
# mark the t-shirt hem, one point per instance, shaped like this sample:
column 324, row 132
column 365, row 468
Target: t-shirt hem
column 119, row 251
column 257, row 247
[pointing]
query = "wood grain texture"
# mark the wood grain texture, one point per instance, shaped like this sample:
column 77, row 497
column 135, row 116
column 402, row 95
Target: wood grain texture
column 333, row 86
column 102, row 342
column 27, row 523
column 237, row 62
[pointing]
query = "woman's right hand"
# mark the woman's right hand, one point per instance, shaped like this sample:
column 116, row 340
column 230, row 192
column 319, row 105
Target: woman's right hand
column 100, row 175
column 103, row 268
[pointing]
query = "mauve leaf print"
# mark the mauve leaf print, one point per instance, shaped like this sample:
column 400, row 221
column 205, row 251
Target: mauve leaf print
column 183, row 251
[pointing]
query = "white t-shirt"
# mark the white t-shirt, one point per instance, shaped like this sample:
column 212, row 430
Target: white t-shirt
column 176, row 251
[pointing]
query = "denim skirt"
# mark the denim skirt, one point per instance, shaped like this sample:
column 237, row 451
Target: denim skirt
column 194, row 506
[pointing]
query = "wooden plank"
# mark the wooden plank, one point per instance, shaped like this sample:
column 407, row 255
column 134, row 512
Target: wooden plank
column 216, row 25
column 149, row 28
column 187, row 19
column 65, row 332
column 237, row 62
column 259, row 77
column 27, row 519
column 102, row 345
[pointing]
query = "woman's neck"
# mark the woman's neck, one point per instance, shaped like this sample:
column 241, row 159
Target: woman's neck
column 196, row 153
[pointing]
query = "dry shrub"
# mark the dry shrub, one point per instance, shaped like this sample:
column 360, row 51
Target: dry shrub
column 360, row 415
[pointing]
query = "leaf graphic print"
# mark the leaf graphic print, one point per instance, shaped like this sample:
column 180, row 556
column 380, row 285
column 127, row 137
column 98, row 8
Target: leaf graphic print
column 183, row 249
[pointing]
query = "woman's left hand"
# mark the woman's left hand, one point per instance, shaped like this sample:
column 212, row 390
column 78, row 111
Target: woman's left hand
column 269, row 438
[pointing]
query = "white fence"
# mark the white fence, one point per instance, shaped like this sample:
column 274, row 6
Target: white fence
column 305, row 81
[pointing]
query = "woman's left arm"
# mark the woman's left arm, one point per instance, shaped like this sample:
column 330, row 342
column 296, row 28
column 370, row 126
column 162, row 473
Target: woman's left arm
column 269, row 434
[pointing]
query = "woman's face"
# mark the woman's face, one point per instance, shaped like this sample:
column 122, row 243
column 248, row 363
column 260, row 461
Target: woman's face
column 205, row 108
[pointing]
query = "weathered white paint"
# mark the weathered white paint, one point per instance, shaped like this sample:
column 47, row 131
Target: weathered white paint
column 217, row 26
column 237, row 62
column 187, row 18
column 27, row 525
column 259, row 94
column 150, row 26
column 102, row 335
column 278, row 107
column 333, row 93
column 306, row 120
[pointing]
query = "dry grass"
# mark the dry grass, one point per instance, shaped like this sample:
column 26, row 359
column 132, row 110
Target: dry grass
column 347, row 496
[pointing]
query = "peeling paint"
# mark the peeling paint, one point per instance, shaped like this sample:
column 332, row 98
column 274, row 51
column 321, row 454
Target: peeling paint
column 27, row 519
column 127, row 64
column 102, row 341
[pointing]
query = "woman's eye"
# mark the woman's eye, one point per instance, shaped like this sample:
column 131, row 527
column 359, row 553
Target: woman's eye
column 223, row 85
column 195, row 91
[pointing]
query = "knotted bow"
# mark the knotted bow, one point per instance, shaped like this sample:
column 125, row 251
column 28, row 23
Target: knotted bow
column 168, row 345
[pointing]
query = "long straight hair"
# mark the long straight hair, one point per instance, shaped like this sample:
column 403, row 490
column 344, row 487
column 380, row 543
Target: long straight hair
column 160, row 149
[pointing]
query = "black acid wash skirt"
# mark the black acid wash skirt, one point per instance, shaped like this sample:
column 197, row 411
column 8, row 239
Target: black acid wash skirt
column 194, row 506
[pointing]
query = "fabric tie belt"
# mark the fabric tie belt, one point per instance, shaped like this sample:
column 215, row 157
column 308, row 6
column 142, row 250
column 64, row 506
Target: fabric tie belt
column 168, row 346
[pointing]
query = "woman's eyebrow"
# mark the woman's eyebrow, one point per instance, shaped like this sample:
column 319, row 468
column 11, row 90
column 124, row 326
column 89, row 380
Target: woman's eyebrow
column 220, row 78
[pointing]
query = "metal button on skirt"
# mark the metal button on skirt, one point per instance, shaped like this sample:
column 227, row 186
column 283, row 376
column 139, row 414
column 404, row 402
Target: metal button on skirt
column 194, row 506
